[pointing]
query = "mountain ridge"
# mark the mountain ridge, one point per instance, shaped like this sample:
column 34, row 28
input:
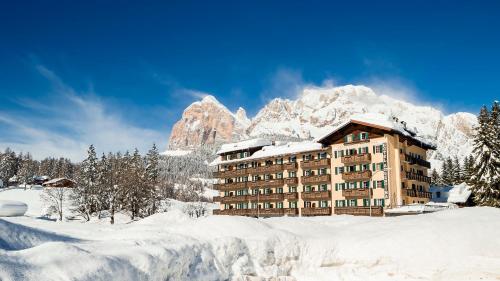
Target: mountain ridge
column 316, row 111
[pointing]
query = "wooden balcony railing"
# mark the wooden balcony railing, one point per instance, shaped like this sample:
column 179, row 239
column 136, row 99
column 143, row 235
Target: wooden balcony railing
column 359, row 192
column 230, row 186
column 260, row 212
column 268, row 169
column 419, row 194
column 316, row 195
column 356, row 159
column 359, row 211
column 315, row 179
column 315, row 163
column 317, row 211
column 290, row 166
column 234, row 199
column 292, row 196
column 293, row 180
column 417, row 161
column 267, row 197
column 354, row 176
column 416, row 177
column 266, row 183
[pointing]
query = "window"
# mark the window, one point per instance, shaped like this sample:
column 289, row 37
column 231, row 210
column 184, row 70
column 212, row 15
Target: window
column 339, row 203
column 293, row 204
column 339, row 153
column 267, row 205
column 292, row 189
column 379, row 202
column 279, row 205
column 323, row 187
column 254, row 205
column 292, row 159
column 279, row 190
column 363, row 136
column 268, row 177
column 352, row 185
column 307, row 188
column 378, row 148
column 438, row 194
column 322, row 155
column 308, row 173
column 322, row 171
column 339, row 186
column 279, row 161
column 279, row 175
column 339, row 170
column 307, row 204
column 292, row 174
column 307, row 157
column 366, row 202
column 323, row 204
column 364, row 167
column 352, row 202
column 365, row 184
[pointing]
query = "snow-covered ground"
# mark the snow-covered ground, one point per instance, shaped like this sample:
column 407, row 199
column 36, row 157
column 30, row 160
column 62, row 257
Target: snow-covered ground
column 457, row 244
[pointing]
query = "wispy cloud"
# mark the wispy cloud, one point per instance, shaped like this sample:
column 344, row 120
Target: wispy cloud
column 67, row 121
column 284, row 83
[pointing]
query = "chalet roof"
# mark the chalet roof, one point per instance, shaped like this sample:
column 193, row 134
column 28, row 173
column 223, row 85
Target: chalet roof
column 60, row 182
column 243, row 145
column 381, row 122
column 276, row 150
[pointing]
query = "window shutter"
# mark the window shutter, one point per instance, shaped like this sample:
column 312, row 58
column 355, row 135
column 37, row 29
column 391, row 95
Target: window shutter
column 336, row 170
column 383, row 184
column 335, row 154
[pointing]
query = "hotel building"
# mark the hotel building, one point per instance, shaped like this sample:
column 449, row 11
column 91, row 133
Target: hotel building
column 362, row 167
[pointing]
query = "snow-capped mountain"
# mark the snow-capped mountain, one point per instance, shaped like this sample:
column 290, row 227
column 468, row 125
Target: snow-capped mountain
column 316, row 111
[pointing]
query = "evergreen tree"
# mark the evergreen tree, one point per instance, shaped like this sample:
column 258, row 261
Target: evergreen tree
column 467, row 168
column 152, row 179
column 84, row 194
column 485, row 178
column 457, row 171
column 435, row 178
column 447, row 172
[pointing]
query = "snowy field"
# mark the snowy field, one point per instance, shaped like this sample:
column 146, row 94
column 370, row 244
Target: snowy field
column 459, row 244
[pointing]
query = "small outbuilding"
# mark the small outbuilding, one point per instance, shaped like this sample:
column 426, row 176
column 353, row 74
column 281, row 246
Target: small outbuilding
column 60, row 182
column 39, row 180
column 459, row 194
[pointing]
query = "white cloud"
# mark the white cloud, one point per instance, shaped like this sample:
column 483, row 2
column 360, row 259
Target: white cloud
column 285, row 83
column 67, row 122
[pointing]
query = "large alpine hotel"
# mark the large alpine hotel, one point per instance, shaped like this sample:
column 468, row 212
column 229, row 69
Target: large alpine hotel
column 362, row 167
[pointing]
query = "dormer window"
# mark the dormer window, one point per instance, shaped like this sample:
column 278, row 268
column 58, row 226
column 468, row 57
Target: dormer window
column 363, row 136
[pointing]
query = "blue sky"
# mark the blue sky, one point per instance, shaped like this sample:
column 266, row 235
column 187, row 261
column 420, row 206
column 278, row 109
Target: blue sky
column 119, row 74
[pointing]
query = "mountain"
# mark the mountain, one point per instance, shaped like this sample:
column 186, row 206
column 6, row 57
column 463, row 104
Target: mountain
column 316, row 111
column 208, row 122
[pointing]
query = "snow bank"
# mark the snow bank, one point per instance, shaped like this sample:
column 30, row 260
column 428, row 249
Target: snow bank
column 454, row 244
column 31, row 197
column 9, row 208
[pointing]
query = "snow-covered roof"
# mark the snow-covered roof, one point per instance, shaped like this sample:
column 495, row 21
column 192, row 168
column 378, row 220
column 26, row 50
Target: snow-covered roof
column 176, row 152
column 277, row 150
column 459, row 193
column 58, row 181
column 378, row 120
column 242, row 145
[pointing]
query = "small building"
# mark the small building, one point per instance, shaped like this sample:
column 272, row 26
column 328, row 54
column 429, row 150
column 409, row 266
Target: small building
column 39, row 180
column 457, row 194
column 60, row 182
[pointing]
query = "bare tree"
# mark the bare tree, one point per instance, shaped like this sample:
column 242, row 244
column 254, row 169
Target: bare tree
column 56, row 198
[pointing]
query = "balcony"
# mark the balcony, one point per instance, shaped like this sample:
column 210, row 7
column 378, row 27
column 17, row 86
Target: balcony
column 267, row 197
column 417, row 161
column 359, row 192
column 291, row 196
column 359, row 211
column 217, row 199
column 317, row 211
column 355, row 176
column 230, row 186
column 291, row 211
column 266, row 183
column 234, row 199
column 292, row 181
column 416, row 177
column 356, row 159
column 315, row 179
column 290, row 166
column 311, row 164
column 268, row 169
column 232, row 212
column 316, row 195
column 419, row 194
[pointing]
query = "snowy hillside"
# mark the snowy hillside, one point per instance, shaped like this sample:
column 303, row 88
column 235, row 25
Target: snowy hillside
column 319, row 109
column 448, row 245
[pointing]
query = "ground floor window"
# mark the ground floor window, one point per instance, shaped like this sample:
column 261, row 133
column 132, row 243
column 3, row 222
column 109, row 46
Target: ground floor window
column 379, row 202
column 293, row 204
column 366, row 202
column 279, row 205
column 323, row 204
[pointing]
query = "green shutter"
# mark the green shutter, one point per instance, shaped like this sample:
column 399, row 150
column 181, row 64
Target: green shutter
column 373, row 166
column 336, row 170
column 383, row 184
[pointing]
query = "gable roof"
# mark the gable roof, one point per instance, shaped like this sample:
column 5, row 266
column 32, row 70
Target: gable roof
column 381, row 122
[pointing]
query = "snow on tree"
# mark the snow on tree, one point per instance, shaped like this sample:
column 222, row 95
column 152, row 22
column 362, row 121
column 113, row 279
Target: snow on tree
column 485, row 178
column 56, row 198
column 435, row 178
column 84, row 193
column 152, row 179
column 456, row 171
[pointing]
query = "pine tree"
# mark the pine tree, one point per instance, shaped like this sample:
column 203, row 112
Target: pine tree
column 457, row 171
column 152, row 179
column 84, row 194
column 447, row 172
column 435, row 178
column 485, row 178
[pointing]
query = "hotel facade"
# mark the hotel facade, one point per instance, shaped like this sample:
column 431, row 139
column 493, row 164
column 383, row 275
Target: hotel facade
column 360, row 168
